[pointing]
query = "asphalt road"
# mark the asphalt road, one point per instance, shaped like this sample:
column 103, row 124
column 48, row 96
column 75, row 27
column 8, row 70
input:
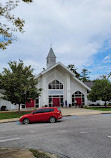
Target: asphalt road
column 72, row 137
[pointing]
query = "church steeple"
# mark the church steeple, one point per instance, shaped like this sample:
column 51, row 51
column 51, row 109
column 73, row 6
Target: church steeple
column 51, row 58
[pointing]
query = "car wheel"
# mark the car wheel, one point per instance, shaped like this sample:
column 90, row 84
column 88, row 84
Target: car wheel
column 52, row 119
column 26, row 121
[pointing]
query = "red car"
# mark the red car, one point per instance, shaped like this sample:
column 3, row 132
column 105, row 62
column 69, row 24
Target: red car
column 51, row 114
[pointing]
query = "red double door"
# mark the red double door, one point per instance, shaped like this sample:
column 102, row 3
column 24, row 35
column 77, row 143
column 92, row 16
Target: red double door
column 56, row 101
column 31, row 103
column 79, row 101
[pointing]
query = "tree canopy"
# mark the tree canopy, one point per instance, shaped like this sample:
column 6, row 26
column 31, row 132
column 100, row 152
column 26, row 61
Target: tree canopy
column 11, row 23
column 74, row 70
column 101, row 90
column 84, row 75
column 18, row 83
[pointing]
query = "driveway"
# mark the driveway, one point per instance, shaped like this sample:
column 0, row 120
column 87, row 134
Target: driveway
column 86, row 136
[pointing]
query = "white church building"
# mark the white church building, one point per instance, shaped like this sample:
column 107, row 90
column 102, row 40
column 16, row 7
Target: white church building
column 59, row 87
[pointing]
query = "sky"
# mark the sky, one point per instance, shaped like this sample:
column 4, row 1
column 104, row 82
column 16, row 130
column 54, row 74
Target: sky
column 79, row 32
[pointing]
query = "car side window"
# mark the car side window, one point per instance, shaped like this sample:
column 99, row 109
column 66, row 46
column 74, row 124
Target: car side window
column 43, row 111
column 38, row 111
column 50, row 110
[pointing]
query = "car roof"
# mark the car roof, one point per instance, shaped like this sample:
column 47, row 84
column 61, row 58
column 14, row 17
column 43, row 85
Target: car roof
column 48, row 108
column 45, row 108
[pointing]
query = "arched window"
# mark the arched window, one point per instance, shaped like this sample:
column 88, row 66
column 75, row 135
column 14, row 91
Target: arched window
column 55, row 85
column 79, row 97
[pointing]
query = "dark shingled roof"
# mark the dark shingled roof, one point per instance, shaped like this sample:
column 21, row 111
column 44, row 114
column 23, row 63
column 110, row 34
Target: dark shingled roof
column 89, row 84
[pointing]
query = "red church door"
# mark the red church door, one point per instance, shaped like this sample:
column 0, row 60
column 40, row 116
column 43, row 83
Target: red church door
column 79, row 102
column 56, row 102
column 30, row 104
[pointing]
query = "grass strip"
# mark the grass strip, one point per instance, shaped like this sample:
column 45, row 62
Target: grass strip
column 100, row 108
column 10, row 115
column 39, row 154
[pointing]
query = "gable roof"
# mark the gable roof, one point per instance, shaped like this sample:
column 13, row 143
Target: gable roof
column 68, row 70
column 55, row 65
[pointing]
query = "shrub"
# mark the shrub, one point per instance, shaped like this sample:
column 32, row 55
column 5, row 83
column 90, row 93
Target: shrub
column 3, row 108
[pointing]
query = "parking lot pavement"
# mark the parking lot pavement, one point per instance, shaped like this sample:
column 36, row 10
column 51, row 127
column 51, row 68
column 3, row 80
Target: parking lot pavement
column 74, row 113
column 80, row 136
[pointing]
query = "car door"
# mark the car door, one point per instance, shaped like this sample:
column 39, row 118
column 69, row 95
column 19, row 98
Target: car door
column 44, row 115
column 37, row 115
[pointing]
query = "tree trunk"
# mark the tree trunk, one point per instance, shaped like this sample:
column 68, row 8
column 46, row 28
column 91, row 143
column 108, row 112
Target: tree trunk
column 19, row 108
column 105, row 104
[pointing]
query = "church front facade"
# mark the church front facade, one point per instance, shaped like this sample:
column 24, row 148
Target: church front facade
column 59, row 86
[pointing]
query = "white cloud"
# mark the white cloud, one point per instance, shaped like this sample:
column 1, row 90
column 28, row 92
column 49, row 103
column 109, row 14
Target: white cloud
column 76, row 28
column 107, row 59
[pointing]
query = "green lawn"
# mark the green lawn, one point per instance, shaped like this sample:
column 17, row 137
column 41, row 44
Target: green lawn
column 100, row 108
column 9, row 115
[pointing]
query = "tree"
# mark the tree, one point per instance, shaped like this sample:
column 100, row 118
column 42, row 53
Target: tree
column 106, row 76
column 13, row 25
column 101, row 90
column 74, row 70
column 109, row 75
column 84, row 75
column 19, row 83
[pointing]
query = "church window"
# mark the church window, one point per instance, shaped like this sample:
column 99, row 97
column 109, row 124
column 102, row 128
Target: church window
column 55, row 85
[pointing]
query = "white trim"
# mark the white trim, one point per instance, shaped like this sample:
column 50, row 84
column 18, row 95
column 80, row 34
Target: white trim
column 59, row 63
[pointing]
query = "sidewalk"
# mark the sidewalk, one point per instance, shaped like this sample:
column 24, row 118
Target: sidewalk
column 81, row 111
column 68, row 112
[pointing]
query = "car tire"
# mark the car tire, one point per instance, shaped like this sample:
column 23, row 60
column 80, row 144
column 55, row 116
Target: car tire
column 26, row 121
column 52, row 119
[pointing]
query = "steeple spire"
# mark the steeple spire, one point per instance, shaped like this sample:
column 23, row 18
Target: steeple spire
column 51, row 58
